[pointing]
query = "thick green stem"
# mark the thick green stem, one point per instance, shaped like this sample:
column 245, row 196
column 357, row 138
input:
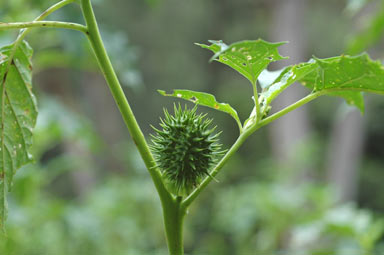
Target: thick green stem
column 174, row 222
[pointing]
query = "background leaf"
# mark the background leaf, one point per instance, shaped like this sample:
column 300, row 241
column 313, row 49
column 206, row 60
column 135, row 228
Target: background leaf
column 18, row 116
column 204, row 99
column 370, row 35
column 249, row 58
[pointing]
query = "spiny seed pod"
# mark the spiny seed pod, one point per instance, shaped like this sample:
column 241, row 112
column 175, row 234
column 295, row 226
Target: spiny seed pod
column 185, row 149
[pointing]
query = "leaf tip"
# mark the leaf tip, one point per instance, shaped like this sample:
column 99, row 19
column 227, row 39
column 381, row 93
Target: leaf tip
column 281, row 43
column 204, row 46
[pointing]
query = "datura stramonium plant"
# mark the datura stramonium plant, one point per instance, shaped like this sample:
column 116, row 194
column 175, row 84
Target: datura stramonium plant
column 185, row 149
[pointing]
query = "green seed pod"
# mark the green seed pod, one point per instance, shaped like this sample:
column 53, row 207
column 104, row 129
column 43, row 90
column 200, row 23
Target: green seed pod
column 185, row 149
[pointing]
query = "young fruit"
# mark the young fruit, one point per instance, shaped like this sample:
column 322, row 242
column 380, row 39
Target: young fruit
column 185, row 149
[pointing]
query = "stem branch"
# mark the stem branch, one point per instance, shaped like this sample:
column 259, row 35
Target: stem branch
column 240, row 140
column 52, row 24
column 257, row 104
column 248, row 131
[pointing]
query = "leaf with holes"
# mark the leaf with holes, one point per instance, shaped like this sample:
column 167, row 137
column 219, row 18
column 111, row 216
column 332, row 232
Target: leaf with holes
column 204, row 99
column 284, row 79
column 249, row 58
column 18, row 116
column 352, row 74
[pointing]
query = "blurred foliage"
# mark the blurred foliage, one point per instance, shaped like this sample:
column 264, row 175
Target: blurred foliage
column 372, row 32
column 301, row 221
column 109, row 219
column 121, row 214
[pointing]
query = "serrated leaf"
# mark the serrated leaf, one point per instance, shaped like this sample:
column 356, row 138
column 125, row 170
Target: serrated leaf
column 205, row 99
column 18, row 112
column 358, row 73
column 343, row 76
column 354, row 74
column 249, row 58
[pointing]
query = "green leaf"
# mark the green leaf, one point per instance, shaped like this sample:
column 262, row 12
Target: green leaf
column 358, row 73
column 352, row 98
column 342, row 76
column 249, row 58
column 18, row 116
column 354, row 74
column 266, row 77
column 286, row 77
column 204, row 99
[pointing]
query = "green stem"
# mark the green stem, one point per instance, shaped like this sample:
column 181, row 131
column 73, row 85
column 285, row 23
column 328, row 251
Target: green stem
column 241, row 139
column 257, row 104
column 52, row 24
column 42, row 16
column 289, row 108
column 251, row 129
column 53, row 8
column 22, row 35
column 173, row 213
column 173, row 222
column 306, row 100
column 120, row 99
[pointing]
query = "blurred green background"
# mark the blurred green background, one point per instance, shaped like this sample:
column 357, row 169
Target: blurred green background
column 311, row 183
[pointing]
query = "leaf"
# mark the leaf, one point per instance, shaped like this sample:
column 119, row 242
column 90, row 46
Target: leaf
column 204, row 99
column 358, row 73
column 266, row 77
column 352, row 98
column 343, row 76
column 286, row 77
column 249, row 58
column 18, row 116
column 354, row 74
